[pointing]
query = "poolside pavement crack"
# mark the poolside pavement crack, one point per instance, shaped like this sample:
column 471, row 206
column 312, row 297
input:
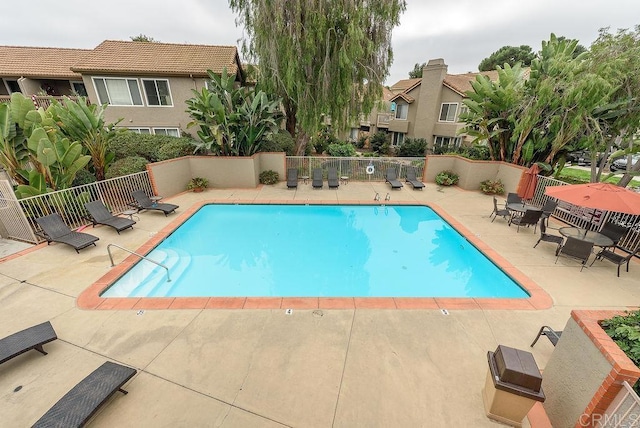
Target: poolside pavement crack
column 344, row 368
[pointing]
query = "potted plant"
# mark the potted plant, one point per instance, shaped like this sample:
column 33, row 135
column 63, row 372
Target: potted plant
column 492, row 187
column 447, row 178
column 197, row 184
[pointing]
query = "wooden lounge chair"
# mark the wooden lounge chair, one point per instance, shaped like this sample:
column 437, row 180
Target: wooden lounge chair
column 529, row 218
column 504, row 213
column 99, row 214
column 143, row 202
column 292, row 178
column 54, row 229
column 332, row 178
column 544, row 236
column 615, row 258
column 413, row 179
column 316, row 181
column 78, row 405
column 392, row 178
column 25, row 340
column 551, row 334
column 576, row 248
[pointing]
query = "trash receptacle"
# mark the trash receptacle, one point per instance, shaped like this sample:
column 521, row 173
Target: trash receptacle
column 513, row 385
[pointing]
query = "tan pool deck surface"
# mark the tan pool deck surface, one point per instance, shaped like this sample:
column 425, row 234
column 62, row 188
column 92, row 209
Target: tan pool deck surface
column 367, row 365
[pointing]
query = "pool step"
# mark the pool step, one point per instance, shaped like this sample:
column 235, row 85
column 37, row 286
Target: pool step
column 179, row 263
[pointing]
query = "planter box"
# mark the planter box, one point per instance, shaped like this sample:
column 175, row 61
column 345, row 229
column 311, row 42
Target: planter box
column 585, row 372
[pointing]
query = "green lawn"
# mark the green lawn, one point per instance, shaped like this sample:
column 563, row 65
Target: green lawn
column 576, row 175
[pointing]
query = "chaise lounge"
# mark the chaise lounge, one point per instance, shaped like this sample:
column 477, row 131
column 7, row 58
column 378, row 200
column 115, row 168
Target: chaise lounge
column 317, row 178
column 26, row 340
column 99, row 214
column 78, row 405
column 143, row 202
column 412, row 179
column 292, row 178
column 54, row 229
column 392, row 178
column 332, row 178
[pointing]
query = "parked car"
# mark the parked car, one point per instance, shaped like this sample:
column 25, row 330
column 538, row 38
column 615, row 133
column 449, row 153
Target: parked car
column 582, row 157
column 620, row 164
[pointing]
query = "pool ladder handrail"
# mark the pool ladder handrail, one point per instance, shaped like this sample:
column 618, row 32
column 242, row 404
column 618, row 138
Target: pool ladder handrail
column 136, row 254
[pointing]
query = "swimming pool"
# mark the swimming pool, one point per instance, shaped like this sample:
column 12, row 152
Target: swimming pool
column 316, row 250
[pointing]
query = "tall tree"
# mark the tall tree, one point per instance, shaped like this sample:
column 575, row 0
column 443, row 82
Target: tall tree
column 323, row 58
column 416, row 73
column 508, row 55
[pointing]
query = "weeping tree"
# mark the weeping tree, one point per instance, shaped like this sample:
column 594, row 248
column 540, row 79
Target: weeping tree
column 324, row 58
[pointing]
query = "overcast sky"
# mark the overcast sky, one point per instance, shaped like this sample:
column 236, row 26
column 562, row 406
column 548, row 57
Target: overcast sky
column 463, row 32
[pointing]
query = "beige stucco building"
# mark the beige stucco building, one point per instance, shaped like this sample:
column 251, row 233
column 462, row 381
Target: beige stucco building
column 428, row 107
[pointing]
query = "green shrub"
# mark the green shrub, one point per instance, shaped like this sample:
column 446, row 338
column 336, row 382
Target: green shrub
column 280, row 142
column 413, row 147
column 378, row 140
column 477, row 152
column 128, row 144
column 176, row 148
column 341, row 150
column 127, row 166
column 447, row 178
column 269, row 177
column 362, row 141
column 625, row 331
column 491, row 187
column 83, row 177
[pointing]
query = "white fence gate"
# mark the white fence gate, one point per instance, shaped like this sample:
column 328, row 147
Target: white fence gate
column 12, row 218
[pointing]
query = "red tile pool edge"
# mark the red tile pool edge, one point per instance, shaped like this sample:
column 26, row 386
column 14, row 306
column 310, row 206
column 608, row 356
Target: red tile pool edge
column 90, row 298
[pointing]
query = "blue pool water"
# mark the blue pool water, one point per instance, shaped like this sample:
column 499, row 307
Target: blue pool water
column 316, row 251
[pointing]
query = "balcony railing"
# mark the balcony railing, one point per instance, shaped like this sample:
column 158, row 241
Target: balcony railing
column 384, row 119
column 43, row 101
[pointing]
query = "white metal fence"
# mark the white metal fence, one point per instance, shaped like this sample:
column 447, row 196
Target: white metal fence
column 356, row 168
column 624, row 411
column 115, row 193
column 12, row 217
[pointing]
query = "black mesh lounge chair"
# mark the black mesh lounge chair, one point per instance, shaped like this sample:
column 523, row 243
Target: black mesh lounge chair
column 615, row 258
column 530, row 217
column 332, row 178
column 55, row 230
column 292, row 178
column 576, row 248
column 316, row 181
column 551, row 334
column 504, row 213
column 143, row 202
column 78, row 405
column 392, row 178
column 99, row 214
column 25, row 340
column 413, row 179
column 549, row 207
column 544, row 236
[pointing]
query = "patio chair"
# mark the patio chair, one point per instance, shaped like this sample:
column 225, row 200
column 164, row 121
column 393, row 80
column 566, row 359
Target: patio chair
column 332, row 178
column 615, row 258
column 413, row 179
column 530, row 217
column 504, row 213
column 77, row 406
column 551, row 334
column 614, row 231
column 392, row 178
column 544, row 236
column 549, row 207
column 143, row 202
column 316, row 178
column 576, row 248
column 513, row 198
column 292, row 178
column 99, row 214
column 26, row 340
column 54, row 229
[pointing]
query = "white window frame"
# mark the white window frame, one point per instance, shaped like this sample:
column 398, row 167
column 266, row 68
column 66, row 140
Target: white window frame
column 166, row 129
column 402, row 108
column 397, row 139
column 448, row 117
column 146, row 95
column 138, row 130
column 452, row 142
column 127, row 80
column 353, row 134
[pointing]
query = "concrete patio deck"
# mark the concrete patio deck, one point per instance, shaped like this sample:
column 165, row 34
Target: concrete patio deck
column 265, row 368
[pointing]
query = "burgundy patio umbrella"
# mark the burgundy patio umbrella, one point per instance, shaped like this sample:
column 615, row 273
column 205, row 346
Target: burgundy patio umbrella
column 528, row 182
column 600, row 196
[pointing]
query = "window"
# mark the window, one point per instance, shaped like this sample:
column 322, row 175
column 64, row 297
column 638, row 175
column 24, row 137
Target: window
column 140, row 130
column 401, row 111
column 448, row 112
column 118, row 92
column 172, row 132
column 12, row 86
column 397, row 138
column 441, row 144
column 353, row 134
column 78, row 88
column 158, row 93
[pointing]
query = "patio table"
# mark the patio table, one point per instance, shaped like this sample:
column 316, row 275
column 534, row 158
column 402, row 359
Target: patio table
column 520, row 207
column 597, row 238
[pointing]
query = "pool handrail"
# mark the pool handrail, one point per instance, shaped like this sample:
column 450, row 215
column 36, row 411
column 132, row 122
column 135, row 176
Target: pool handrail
column 136, row 254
